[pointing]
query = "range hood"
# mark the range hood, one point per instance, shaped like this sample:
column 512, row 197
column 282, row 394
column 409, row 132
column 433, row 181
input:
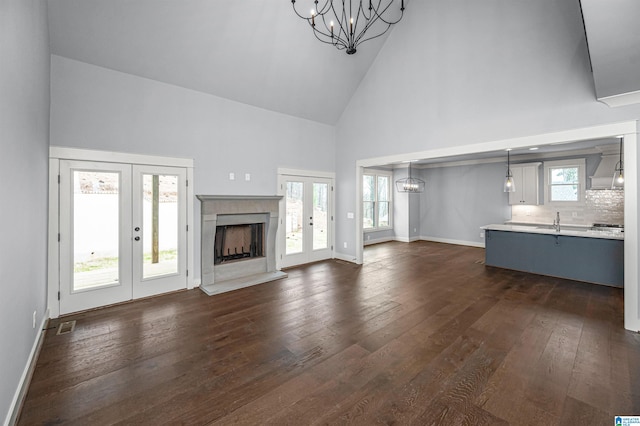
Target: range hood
column 603, row 177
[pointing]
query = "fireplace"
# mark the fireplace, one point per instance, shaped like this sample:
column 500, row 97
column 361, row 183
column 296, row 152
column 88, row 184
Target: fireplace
column 238, row 241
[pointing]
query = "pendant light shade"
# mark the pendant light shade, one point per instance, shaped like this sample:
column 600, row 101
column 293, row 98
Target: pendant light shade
column 410, row 184
column 618, row 174
column 509, row 184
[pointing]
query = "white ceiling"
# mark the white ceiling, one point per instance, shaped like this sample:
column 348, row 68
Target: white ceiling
column 252, row 51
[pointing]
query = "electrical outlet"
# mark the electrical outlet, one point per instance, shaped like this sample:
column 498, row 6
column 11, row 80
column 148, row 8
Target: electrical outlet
column 247, row 177
column 574, row 214
column 350, row 215
column 35, row 314
column 415, row 230
column 344, row 244
column 368, row 237
column 482, row 235
column 232, row 176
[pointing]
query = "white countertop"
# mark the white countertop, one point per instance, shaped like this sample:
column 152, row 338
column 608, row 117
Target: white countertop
column 568, row 230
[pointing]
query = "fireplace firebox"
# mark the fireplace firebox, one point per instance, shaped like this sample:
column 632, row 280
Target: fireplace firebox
column 238, row 242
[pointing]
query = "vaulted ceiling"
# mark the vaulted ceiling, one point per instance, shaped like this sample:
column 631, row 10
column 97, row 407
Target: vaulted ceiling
column 252, row 51
column 260, row 53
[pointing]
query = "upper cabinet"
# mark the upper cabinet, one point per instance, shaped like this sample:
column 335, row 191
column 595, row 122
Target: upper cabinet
column 525, row 178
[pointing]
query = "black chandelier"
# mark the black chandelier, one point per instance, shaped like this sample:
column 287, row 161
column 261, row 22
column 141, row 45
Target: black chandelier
column 344, row 25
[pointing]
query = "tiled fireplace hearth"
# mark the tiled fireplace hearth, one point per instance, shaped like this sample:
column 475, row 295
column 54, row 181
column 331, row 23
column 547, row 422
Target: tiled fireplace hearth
column 238, row 241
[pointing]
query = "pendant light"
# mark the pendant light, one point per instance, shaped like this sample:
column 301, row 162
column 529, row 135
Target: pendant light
column 618, row 174
column 509, row 184
column 410, row 184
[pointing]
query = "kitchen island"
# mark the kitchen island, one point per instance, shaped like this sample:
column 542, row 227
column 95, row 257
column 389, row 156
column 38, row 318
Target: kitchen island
column 576, row 253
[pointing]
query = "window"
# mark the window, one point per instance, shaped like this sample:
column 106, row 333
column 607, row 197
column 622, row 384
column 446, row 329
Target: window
column 376, row 200
column 564, row 181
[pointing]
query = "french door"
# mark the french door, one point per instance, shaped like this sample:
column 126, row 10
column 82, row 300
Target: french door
column 306, row 230
column 122, row 232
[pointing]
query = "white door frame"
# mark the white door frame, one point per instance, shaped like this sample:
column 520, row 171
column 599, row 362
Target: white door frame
column 284, row 173
column 56, row 154
column 630, row 130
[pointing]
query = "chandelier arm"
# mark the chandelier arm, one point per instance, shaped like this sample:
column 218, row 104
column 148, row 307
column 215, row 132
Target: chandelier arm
column 360, row 41
column 326, row 38
column 379, row 14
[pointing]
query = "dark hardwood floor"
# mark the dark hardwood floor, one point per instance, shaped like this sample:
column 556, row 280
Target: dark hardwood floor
column 423, row 333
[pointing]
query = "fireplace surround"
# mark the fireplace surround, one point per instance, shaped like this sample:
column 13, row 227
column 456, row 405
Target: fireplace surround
column 238, row 241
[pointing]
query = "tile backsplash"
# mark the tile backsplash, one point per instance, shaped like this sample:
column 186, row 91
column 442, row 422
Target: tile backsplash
column 600, row 206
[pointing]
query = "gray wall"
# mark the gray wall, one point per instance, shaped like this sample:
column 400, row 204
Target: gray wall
column 459, row 200
column 97, row 108
column 24, row 139
column 462, row 72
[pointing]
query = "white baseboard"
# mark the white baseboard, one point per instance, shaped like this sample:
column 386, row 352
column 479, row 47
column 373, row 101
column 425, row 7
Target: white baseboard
column 345, row 257
column 450, row 241
column 25, row 379
column 407, row 239
column 378, row 240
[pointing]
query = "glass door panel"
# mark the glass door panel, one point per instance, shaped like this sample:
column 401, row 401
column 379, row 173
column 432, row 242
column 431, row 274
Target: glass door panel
column 96, row 203
column 320, row 215
column 160, row 219
column 294, row 207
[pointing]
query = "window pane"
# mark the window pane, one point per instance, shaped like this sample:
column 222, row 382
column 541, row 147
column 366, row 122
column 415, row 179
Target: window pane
column 96, row 207
column 564, row 193
column 383, row 188
column 383, row 213
column 368, row 188
column 367, row 215
column 564, row 175
column 160, row 225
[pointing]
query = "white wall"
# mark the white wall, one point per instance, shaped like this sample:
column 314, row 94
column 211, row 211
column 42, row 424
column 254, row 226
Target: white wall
column 459, row 200
column 24, row 139
column 98, row 108
column 464, row 72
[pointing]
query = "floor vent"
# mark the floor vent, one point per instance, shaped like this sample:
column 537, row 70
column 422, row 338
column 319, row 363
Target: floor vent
column 480, row 262
column 66, row 327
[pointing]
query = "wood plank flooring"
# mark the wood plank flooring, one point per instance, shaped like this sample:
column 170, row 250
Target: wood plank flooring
column 423, row 334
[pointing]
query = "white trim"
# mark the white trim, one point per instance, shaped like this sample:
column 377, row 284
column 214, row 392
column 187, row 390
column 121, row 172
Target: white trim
column 345, row 257
column 628, row 129
column 191, row 231
column 451, row 241
column 53, row 262
column 379, row 240
column 27, row 373
column 622, row 99
column 407, row 239
column 631, row 253
column 305, row 173
column 64, row 153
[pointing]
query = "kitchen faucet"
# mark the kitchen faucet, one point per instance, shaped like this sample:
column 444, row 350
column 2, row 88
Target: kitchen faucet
column 556, row 222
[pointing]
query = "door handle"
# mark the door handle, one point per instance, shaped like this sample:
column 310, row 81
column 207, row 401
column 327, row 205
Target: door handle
column 137, row 238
